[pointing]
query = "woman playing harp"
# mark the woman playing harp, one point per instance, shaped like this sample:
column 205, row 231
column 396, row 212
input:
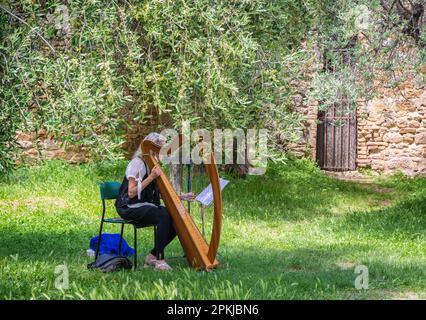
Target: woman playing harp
column 139, row 201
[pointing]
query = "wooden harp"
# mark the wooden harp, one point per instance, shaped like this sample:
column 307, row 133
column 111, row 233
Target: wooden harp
column 199, row 254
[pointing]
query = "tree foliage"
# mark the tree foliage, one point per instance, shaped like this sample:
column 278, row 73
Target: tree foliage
column 70, row 67
column 369, row 44
column 84, row 70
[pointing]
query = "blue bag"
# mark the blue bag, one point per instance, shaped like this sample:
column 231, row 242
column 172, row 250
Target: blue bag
column 109, row 245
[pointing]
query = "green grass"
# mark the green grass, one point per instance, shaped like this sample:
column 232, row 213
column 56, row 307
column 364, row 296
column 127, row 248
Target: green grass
column 291, row 234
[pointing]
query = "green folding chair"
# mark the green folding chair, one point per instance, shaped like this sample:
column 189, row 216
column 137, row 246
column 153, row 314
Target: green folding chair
column 109, row 191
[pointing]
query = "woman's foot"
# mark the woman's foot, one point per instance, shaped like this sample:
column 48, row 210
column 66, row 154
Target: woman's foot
column 150, row 260
column 162, row 265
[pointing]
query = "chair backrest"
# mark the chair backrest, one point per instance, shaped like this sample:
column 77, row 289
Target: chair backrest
column 109, row 189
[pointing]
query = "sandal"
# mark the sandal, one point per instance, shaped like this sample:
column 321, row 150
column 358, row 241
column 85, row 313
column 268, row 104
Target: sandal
column 150, row 260
column 162, row 265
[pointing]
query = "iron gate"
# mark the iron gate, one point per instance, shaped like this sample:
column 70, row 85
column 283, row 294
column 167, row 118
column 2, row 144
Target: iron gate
column 337, row 137
column 337, row 126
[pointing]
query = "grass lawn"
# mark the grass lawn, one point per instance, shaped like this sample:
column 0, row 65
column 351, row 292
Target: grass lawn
column 291, row 234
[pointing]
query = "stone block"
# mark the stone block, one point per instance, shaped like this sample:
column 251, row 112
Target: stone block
column 416, row 116
column 420, row 138
column 407, row 130
column 413, row 124
column 25, row 144
column 406, row 106
column 408, row 137
column 24, row 136
column 31, row 153
column 54, row 154
column 400, row 163
column 49, row 144
column 363, row 162
column 376, row 143
column 392, row 137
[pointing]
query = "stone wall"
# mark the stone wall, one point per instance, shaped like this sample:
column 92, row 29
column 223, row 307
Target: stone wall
column 392, row 131
column 136, row 131
column 37, row 146
column 306, row 145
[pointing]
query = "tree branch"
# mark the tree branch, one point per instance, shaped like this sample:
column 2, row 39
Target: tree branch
column 24, row 22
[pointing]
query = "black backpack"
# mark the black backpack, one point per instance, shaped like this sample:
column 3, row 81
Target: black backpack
column 110, row 263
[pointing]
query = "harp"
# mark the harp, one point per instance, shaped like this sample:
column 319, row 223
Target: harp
column 199, row 254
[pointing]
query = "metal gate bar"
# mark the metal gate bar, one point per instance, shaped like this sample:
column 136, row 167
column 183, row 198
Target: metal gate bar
column 336, row 142
column 336, row 136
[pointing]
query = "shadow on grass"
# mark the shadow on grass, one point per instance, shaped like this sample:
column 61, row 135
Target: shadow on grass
column 293, row 195
column 305, row 272
column 325, row 267
column 244, row 260
column 406, row 218
column 59, row 171
column 59, row 245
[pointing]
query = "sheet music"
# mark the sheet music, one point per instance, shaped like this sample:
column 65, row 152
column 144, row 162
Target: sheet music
column 206, row 196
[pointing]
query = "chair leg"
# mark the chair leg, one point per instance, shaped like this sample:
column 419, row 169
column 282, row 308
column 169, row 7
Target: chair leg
column 121, row 239
column 99, row 240
column 135, row 258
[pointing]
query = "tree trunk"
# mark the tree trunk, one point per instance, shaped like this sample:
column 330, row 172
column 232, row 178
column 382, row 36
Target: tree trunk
column 176, row 177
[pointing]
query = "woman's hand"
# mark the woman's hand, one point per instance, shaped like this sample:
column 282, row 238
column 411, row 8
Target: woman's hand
column 190, row 196
column 155, row 172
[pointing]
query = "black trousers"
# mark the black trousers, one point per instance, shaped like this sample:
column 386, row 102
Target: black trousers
column 152, row 215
